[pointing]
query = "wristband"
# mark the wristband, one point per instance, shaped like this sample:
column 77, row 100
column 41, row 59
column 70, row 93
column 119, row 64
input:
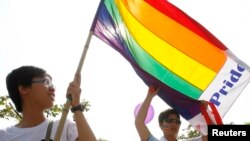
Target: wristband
column 79, row 107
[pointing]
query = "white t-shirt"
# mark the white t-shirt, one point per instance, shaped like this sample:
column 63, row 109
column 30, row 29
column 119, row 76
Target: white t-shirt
column 38, row 132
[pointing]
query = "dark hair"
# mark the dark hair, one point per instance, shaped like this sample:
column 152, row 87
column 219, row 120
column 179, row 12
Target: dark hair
column 165, row 114
column 21, row 76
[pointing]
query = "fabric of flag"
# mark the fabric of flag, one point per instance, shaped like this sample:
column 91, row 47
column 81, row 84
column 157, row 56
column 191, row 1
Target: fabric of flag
column 169, row 49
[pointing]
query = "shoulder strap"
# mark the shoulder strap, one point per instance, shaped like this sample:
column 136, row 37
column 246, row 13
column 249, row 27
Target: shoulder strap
column 49, row 128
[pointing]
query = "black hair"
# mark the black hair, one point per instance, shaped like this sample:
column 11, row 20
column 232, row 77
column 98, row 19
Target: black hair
column 21, row 76
column 165, row 114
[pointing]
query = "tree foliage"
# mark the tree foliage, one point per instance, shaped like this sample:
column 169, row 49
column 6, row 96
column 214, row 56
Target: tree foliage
column 7, row 110
column 190, row 133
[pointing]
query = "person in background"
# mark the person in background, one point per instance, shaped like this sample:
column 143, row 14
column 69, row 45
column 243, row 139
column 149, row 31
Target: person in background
column 32, row 91
column 169, row 121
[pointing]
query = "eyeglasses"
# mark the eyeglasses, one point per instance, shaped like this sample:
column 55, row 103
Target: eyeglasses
column 177, row 121
column 45, row 81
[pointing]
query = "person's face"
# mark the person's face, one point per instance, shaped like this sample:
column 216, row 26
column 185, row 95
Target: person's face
column 42, row 93
column 171, row 125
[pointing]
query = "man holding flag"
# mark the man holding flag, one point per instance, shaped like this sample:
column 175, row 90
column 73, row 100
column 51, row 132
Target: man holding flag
column 31, row 90
column 169, row 121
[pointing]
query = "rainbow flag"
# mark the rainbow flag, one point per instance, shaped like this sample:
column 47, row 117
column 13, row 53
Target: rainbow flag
column 169, row 49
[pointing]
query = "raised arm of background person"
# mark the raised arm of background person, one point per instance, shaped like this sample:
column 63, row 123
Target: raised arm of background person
column 141, row 127
column 85, row 133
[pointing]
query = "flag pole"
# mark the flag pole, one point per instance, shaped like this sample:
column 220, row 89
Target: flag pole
column 78, row 71
column 67, row 104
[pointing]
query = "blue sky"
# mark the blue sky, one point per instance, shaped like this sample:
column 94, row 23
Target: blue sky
column 51, row 34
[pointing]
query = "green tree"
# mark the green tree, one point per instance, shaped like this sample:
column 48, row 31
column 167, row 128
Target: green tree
column 247, row 123
column 7, row 110
column 190, row 133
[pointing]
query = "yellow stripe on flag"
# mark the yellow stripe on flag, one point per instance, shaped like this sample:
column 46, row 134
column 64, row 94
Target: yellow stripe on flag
column 179, row 63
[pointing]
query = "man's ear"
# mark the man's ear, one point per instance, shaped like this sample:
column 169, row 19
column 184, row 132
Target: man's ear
column 23, row 90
